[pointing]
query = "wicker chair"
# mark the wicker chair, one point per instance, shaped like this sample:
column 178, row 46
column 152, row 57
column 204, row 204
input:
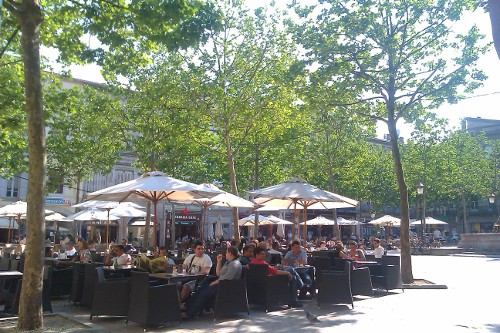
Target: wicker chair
column 335, row 287
column 111, row 297
column 152, row 305
column 231, row 297
column 267, row 290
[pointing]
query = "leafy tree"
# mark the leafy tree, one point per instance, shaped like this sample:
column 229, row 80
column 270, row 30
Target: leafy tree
column 126, row 30
column 240, row 91
column 81, row 140
column 393, row 55
column 13, row 146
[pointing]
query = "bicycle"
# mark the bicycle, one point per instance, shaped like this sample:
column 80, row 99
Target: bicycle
column 419, row 247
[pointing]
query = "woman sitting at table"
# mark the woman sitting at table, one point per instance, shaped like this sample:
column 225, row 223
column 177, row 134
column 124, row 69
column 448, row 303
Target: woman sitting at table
column 354, row 252
column 205, row 295
column 338, row 251
column 83, row 252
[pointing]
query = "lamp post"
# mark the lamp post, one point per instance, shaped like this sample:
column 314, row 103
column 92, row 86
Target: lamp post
column 421, row 191
column 491, row 199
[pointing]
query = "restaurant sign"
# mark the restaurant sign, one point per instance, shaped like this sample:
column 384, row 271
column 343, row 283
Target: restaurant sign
column 58, row 201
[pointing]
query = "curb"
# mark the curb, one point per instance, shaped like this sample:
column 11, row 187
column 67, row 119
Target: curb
column 426, row 285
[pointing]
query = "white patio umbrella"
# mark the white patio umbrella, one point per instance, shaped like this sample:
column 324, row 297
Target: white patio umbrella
column 386, row 221
column 108, row 206
column 224, row 199
column 343, row 221
column 18, row 210
column 56, row 217
column 154, row 186
column 125, row 210
column 319, row 220
column 277, row 220
column 298, row 193
column 428, row 220
column 250, row 220
column 105, row 204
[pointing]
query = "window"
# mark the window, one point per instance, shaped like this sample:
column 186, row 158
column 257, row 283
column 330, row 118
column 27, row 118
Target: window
column 12, row 188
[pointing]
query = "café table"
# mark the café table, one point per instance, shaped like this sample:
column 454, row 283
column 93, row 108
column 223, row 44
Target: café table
column 171, row 278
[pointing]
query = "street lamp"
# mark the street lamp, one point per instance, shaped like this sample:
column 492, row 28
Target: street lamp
column 421, row 191
column 491, row 199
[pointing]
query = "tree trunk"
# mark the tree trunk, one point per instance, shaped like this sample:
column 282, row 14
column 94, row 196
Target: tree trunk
column 406, row 267
column 336, row 229
column 30, row 307
column 256, row 186
column 464, row 213
column 234, row 187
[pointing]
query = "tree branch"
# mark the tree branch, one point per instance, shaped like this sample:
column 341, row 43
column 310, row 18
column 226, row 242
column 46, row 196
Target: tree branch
column 14, row 33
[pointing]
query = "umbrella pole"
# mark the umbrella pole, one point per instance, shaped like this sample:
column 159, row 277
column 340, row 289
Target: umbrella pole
column 8, row 235
column 203, row 223
column 107, row 229
column 154, row 229
column 19, row 229
column 304, row 216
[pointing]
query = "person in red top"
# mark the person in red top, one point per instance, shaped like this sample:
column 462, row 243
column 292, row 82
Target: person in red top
column 258, row 258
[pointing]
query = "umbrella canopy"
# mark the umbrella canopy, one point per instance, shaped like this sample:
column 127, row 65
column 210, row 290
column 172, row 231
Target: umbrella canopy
column 250, row 220
column 90, row 215
column 429, row 220
column 154, row 186
column 18, row 209
column 386, row 221
column 54, row 217
column 105, row 204
column 343, row 221
column 124, row 210
column 278, row 220
column 319, row 220
column 224, row 199
column 298, row 193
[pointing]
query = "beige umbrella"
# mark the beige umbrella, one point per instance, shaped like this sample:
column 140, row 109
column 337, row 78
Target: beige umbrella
column 154, row 186
column 224, row 199
column 386, row 221
column 18, row 210
column 297, row 193
column 429, row 221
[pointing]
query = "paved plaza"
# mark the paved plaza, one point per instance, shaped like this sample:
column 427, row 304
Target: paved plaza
column 470, row 304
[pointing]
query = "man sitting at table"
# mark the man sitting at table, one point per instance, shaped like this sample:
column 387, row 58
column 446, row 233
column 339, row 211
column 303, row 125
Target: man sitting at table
column 378, row 250
column 128, row 248
column 259, row 255
column 70, row 250
column 247, row 255
column 294, row 258
column 120, row 257
column 197, row 263
column 205, row 295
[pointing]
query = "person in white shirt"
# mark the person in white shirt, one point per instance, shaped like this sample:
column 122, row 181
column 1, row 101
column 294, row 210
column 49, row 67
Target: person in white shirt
column 120, row 257
column 378, row 250
column 70, row 250
column 197, row 263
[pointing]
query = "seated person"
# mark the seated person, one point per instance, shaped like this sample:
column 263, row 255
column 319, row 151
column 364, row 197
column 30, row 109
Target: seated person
column 196, row 263
column 205, row 295
column 378, row 250
column 164, row 253
column 92, row 246
column 120, row 257
column 338, row 251
column 83, row 252
column 258, row 258
column 128, row 248
column 247, row 255
column 70, row 250
column 297, row 257
column 354, row 251
column 321, row 247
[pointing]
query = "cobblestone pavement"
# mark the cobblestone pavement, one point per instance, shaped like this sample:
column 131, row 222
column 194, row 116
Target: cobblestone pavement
column 470, row 304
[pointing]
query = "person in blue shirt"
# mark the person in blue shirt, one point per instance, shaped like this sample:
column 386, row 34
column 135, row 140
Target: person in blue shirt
column 297, row 257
